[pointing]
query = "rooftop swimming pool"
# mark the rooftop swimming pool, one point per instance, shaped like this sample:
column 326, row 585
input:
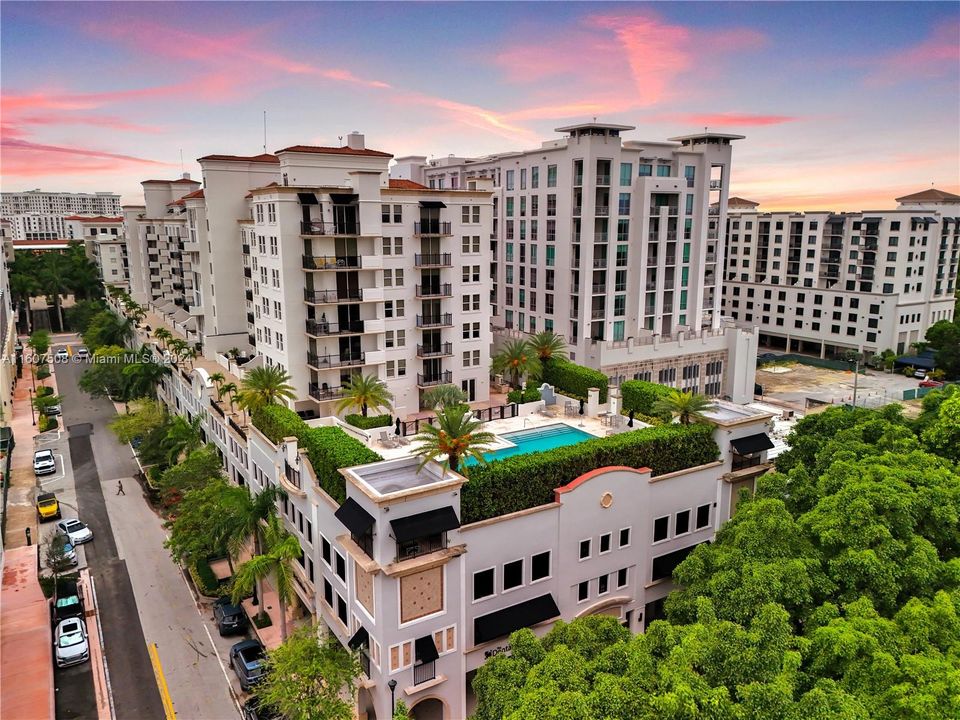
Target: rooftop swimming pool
column 537, row 440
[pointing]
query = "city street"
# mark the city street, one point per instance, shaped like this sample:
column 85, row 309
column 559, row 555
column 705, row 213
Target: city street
column 142, row 595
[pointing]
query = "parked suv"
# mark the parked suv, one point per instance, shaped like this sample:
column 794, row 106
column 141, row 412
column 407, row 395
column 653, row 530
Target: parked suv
column 71, row 642
column 47, row 507
column 44, row 462
column 67, row 603
column 246, row 659
column 230, row 618
column 61, row 355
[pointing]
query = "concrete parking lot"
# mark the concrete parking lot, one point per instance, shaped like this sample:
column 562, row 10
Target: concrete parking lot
column 795, row 383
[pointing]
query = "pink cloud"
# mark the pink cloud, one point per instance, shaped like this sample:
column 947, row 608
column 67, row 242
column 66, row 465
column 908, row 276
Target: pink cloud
column 724, row 119
column 936, row 56
column 25, row 158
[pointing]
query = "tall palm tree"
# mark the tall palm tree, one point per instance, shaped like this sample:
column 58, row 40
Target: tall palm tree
column 228, row 389
column 548, row 345
column 183, row 436
column 162, row 336
column 455, row 436
column 142, row 376
column 687, row 406
column 179, row 348
column 217, row 378
column 440, row 397
column 515, row 360
column 264, row 386
column 54, row 281
column 23, row 287
column 244, row 516
column 365, row 392
column 281, row 550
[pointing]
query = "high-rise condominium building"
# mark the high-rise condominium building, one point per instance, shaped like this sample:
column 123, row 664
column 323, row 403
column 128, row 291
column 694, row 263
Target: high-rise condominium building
column 829, row 282
column 38, row 202
column 608, row 242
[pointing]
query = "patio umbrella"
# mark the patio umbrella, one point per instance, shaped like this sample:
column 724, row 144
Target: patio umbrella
column 581, row 407
column 396, row 430
column 630, row 424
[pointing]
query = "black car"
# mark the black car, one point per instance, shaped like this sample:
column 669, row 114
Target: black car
column 254, row 709
column 230, row 618
column 246, row 659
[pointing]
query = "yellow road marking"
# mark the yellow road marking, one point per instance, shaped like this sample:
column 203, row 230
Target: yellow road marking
column 161, row 683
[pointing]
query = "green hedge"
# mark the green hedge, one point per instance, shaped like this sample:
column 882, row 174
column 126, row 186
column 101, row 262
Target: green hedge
column 574, row 380
column 531, row 394
column 369, row 423
column 329, row 448
column 204, row 578
column 524, row 481
column 640, row 395
column 44, row 390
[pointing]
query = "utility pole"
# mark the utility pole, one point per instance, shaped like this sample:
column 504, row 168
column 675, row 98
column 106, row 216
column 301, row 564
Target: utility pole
column 856, row 377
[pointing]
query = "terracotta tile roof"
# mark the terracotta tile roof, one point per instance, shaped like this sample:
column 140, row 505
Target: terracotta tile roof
column 263, row 157
column 741, row 202
column 194, row 194
column 178, row 181
column 97, row 219
column 930, row 195
column 248, row 196
column 45, row 241
column 399, row 184
column 320, row 150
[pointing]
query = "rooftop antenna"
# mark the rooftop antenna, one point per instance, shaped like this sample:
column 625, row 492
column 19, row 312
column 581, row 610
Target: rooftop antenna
column 340, row 140
column 181, row 161
column 264, row 132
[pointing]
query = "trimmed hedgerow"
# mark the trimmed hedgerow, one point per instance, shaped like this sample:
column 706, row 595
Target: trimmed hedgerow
column 370, row 422
column 525, row 481
column 574, row 380
column 531, row 394
column 328, row 448
column 640, row 395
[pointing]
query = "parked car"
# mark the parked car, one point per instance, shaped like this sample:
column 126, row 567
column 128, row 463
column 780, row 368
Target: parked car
column 254, row 709
column 230, row 618
column 44, row 463
column 246, row 659
column 82, row 353
column 76, row 531
column 931, row 383
column 67, row 603
column 70, row 553
column 920, row 374
column 52, row 410
column 71, row 642
column 61, row 355
column 48, row 508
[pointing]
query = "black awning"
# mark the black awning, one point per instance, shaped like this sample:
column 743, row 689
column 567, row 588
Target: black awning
column 343, row 198
column 752, row 444
column 931, row 220
column 357, row 520
column 425, row 649
column 835, row 218
column 431, row 204
column 360, row 639
column 424, row 524
column 503, row 622
column 871, row 220
column 917, row 219
column 308, row 199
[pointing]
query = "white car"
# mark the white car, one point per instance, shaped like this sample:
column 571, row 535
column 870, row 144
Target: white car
column 44, row 462
column 71, row 643
column 82, row 353
column 77, row 533
column 61, row 355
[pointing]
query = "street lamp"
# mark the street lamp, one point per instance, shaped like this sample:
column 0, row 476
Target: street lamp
column 393, row 704
column 33, row 416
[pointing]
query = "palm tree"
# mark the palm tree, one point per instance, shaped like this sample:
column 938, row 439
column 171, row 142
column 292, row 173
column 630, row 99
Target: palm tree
column 55, row 280
column 178, row 347
column 440, row 397
column 183, row 436
column 281, row 550
column 264, row 386
column 162, row 336
column 365, row 392
column 115, row 291
column 227, row 389
column 516, row 359
column 548, row 345
column 23, row 287
column 244, row 516
column 456, row 436
column 217, row 378
column 142, row 376
column 687, row 406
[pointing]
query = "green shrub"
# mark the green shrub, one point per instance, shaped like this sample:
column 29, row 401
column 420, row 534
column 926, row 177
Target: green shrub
column 328, row 448
column 204, row 578
column 43, row 391
column 640, row 395
column 262, row 620
column 574, row 380
column 368, row 423
column 45, row 422
column 524, row 481
column 531, row 394
column 43, row 372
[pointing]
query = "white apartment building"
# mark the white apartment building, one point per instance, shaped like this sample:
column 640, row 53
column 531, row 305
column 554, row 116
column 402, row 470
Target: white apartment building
column 38, row 227
column 828, row 283
column 39, row 202
column 105, row 244
column 608, row 242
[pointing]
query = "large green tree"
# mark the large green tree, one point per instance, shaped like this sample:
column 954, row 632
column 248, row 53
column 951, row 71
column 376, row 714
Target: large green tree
column 264, row 386
column 142, row 417
column 104, row 377
column 944, row 338
column 516, row 359
column 105, row 329
column 365, row 392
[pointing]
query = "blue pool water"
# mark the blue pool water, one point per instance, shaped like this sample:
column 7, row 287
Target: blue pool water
column 537, row 440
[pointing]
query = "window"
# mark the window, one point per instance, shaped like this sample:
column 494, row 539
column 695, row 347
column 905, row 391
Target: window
column 534, row 177
column 605, row 543
column 622, row 577
column 513, row 574
column 327, row 592
column 626, row 174
column 585, row 549
column 663, row 171
column 624, row 537
column 551, row 175
column 603, row 585
column 483, row 584
column 341, row 566
column 682, row 523
column 661, row 528
column 401, row 655
column 540, row 566
column 646, row 170
column 583, row 591
column 470, row 244
column 703, row 516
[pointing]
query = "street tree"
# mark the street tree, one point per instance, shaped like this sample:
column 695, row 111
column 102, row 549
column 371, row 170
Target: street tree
column 104, row 377
column 183, row 436
column 198, row 468
column 55, row 554
column 144, row 416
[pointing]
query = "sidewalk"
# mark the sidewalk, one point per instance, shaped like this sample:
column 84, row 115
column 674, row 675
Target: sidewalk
column 26, row 650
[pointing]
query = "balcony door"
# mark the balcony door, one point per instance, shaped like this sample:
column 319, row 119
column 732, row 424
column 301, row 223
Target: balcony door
column 348, row 285
column 345, row 247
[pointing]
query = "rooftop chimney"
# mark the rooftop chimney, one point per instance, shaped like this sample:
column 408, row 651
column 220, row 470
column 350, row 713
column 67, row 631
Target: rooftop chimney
column 355, row 140
column 186, row 176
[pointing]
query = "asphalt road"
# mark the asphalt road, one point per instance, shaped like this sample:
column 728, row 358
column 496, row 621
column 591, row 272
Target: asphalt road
column 142, row 593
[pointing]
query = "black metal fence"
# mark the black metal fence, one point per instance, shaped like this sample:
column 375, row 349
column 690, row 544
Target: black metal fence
column 499, row 412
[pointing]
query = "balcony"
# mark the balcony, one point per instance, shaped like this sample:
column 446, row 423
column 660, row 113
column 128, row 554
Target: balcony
column 597, row 314
column 441, row 378
column 322, row 227
column 333, row 297
column 652, row 284
column 431, row 260
column 716, row 184
column 247, row 272
column 600, row 237
column 602, row 211
column 711, row 257
column 431, row 227
column 324, row 392
column 599, row 262
column 324, row 329
column 430, row 291
column 649, row 309
column 425, row 322
column 435, row 351
column 325, row 362
column 331, row 262
column 424, row 672
column 603, row 179
column 599, row 288
column 670, row 260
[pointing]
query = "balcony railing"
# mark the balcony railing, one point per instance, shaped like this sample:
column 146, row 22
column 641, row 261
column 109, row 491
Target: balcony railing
column 597, row 314
column 599, row 262
column 433, row 260
column 432, row 321
column 321, row 227
column 602, row 210
column 600, row 237
column 671, row 260
column 652, row 284
column 320, row 328
column 603, row 179
column 331, row 297
column 599, row 288
column 325, row 392
column 424, row 672
column 433, row 351
column 715, row 184
column 431, row 227
column 331, row 262
column 711, row 257
column 439, row 290
column 333, row 361
column 649, row 309
column 440, row 378
column 577, row 210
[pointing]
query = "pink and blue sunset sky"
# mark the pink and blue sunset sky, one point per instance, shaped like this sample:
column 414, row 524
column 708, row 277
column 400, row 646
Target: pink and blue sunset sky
column 844, row 105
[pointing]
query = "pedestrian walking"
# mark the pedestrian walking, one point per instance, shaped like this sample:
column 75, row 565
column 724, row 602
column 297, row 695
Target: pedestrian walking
column 120, row 488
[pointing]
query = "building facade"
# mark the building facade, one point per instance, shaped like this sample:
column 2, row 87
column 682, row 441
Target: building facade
column 38, row 202
column 105, row 244
column 830, row 283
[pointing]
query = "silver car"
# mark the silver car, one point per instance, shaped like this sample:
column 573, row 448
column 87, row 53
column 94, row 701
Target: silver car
column 71, row 643
column 77, row 533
